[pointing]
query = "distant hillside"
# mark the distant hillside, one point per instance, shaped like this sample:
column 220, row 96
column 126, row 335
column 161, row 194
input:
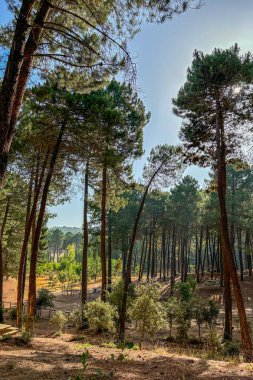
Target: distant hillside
column 65, row 229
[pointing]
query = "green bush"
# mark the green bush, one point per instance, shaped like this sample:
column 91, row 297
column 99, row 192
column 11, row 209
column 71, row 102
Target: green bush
column 231, row 348
column 147, row 310
column 185, row 291
column 58, row 320
column 116, row 296
column 101, row 315
column 45, row 298
column 13, row 314
column 24, row 339
column 183, row 319
column 76, row 317
column 171, row 308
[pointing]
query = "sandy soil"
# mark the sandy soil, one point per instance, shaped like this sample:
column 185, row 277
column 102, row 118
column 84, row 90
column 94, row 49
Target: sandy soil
column 59, row 359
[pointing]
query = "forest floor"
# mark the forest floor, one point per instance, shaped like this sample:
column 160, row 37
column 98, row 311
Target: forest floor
column 59, row 358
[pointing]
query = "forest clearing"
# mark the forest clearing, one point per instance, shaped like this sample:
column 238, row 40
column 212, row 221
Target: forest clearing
column 126, row 177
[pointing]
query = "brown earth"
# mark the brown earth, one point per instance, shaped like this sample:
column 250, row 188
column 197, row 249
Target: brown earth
column 59, row 359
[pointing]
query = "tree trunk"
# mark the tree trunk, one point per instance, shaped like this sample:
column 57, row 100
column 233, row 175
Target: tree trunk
column 85, row 236
column 228, row 253
column 35, row 244
column 1, row 257
column 103, row 233
column 23, row 256
column 122, row 317
column 17, row 73
column 110, row 251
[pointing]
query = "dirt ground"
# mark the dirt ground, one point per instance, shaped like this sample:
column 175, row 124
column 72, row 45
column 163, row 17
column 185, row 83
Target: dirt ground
column 59, row 359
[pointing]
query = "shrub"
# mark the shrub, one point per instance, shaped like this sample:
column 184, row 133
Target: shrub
column 76, row 317
column 231, row 348
column 171, row 307
column 148, row 312
column 84, row 358
column 45, row 298
column 185, row 291
column 13, row 314
column 58, row 320
column 184, row 317
column 116, row 296
column 24, row 339
column 101, row 315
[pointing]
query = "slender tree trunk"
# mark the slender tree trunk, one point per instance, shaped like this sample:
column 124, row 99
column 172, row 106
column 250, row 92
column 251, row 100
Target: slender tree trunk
column 23, row 256
column 35, row 244
column 103, row 233
column 1, row 256
column 122, row 317
column 17, row 73
column 173, row 260
column 109, row 251
column 228, row 253
column 239, row 238
column 85, row 236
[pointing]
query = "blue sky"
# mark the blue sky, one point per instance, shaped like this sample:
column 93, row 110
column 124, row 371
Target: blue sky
column 163, row 53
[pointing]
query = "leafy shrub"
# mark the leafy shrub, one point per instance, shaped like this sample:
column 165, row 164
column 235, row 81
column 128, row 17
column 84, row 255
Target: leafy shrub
column 101, row 315
column 45, row 298
column 76, row 317
column 147, row 310
column 58, row 320
column 116, row 296
column 84, row 358
column 13, row 314
column 231, row 348
column 185, row 291
column 24, row 339
column 171, row 308
column 183, row 319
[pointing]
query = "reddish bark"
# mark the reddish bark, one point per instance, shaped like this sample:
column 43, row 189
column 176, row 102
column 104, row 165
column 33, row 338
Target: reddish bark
column 103, row 233
column 228, row 253
column 35, row 244
column 22, row 261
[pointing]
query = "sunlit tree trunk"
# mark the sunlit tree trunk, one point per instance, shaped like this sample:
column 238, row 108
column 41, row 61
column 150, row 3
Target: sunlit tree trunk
column 103, row 233
column 228, row 253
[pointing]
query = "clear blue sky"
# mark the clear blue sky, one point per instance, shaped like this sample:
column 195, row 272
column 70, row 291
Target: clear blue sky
column 163, row 53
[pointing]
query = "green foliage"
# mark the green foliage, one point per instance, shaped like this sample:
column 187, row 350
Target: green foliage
column 171, row 308
column 231, row 348
column 58, row 320
column 116, row 296
column 76, row 317
column 147, row 310
column 45, row 298
column 13, row 314
column 185, row 291
column 84, row 358
column 100, row 315
column 184, row 317
column 25, row 338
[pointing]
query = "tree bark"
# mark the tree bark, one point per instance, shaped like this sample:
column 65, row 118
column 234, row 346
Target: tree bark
column 1, row 257
column 23, row 256
column 85, row 235
column 35, row 244
column 17, row 73
column 228, row 253
column 103, row 233
column 122, row 317
column 109, row 251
